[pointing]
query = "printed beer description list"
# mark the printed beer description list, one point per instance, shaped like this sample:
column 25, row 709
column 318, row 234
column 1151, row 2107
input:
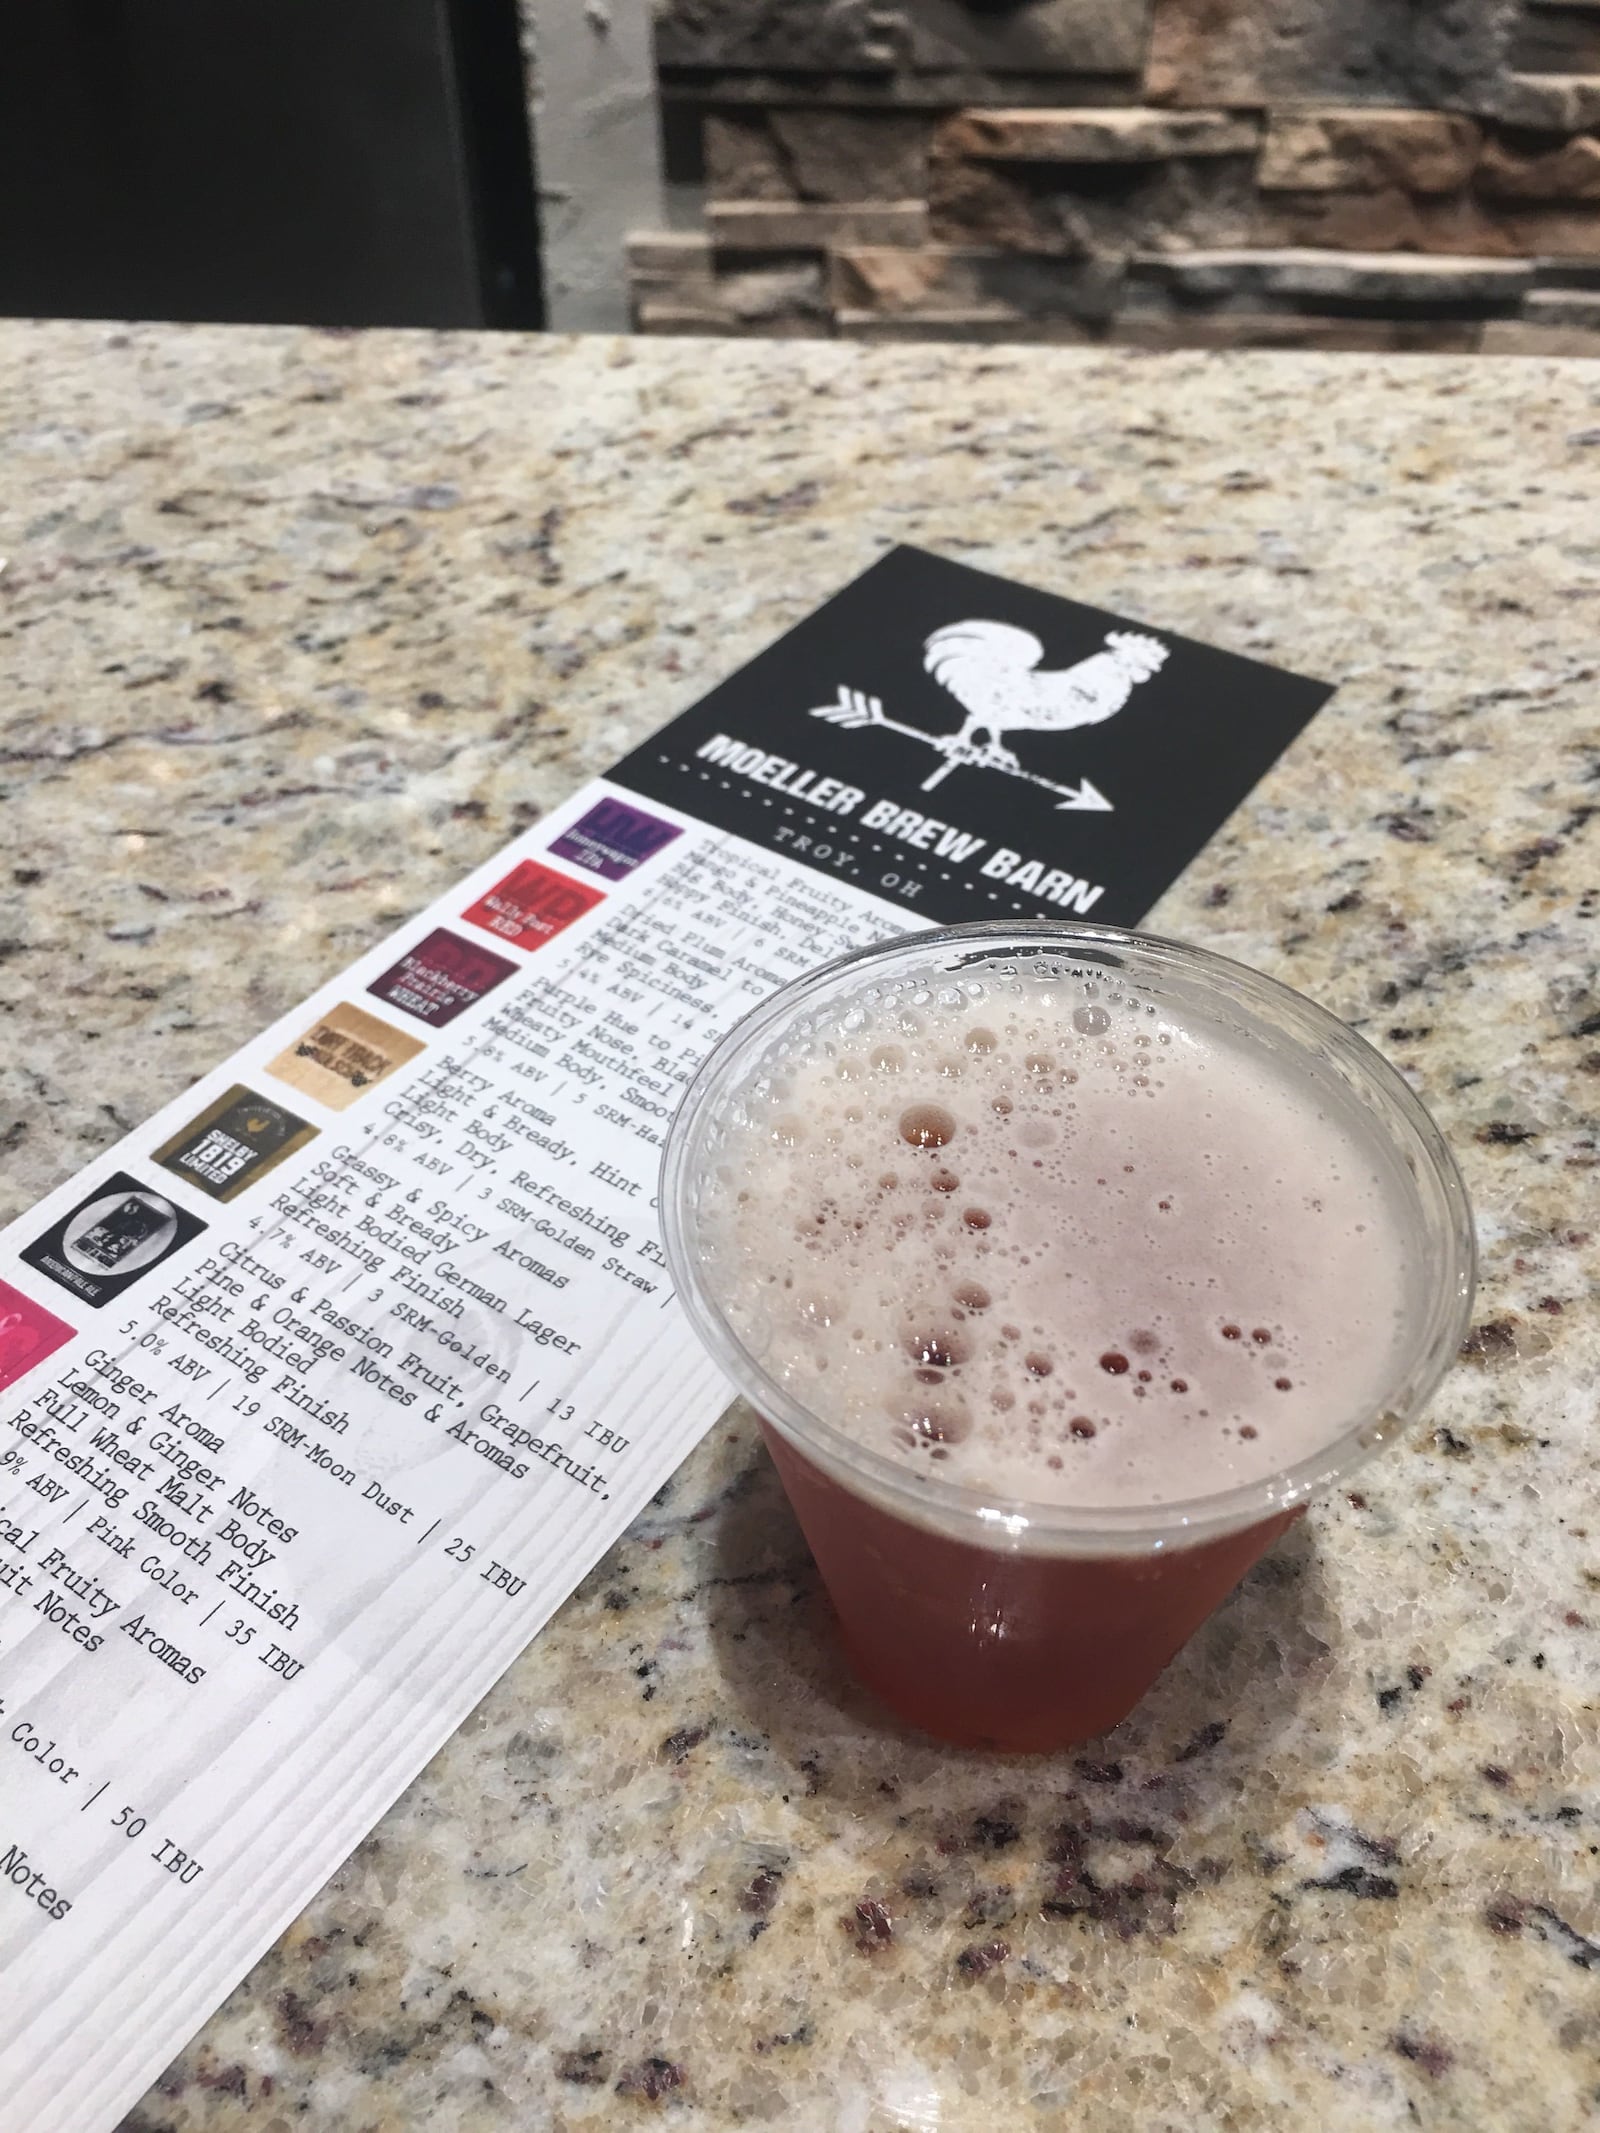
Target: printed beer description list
column 322, row 1390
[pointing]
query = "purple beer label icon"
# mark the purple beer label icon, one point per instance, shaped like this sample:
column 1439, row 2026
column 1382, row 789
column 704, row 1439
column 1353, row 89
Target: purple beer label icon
column 613, row 838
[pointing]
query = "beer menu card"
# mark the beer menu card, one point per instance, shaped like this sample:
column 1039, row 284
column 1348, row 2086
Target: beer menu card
column 322, row 1390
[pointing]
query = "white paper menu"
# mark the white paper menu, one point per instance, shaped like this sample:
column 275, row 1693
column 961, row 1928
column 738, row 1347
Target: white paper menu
column 324, row 1388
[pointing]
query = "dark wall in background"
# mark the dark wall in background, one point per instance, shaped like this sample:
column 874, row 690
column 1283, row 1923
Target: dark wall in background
column 330, row 162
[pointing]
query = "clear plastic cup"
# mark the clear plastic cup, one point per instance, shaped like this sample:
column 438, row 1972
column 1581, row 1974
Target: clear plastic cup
column 1028, row 1626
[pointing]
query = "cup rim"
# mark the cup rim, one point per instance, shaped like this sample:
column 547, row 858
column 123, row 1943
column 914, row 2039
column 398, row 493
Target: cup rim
column 1444, row 1215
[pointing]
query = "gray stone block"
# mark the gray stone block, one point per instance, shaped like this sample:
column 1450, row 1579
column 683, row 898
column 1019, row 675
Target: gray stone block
column 941, row 281
column 1047, row 36
column 853, row 34
column 942, row 90
column 1368, row 151
column 780, row 296
column 1547, row 103
column 1557, row 40
column 1137, row 135
column 778, row 226
column 817, row 154
column 1446, row 55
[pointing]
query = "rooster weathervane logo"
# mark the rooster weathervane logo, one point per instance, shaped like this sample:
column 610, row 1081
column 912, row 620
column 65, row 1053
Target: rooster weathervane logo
column 992, row 671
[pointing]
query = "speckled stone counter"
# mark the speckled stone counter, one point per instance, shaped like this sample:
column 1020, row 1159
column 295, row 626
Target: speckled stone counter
column 296, row 629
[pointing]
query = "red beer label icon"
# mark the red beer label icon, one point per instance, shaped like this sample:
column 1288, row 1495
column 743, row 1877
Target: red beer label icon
column 532, row 905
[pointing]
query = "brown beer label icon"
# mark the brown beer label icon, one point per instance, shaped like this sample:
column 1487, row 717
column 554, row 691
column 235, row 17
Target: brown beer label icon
column 233, row 1142
column 343, row 1054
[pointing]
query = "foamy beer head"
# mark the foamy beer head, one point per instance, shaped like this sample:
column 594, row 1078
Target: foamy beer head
column 1080, row 1234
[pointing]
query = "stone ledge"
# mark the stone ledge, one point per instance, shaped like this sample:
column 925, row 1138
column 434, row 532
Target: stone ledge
column 778, row 226
column 1417, row 278
column 1301, row 329
column 958, row 325
column 1562, row 307
column 657, row 315
column 1139, row 135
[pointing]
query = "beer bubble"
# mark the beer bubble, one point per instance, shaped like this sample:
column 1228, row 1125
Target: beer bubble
column 944, row 1418
column 1090, row 1021
column 927, row 1125
column 936, row 1342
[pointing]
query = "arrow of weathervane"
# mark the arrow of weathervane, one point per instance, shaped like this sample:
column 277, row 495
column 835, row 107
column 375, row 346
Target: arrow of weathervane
column 855, row 711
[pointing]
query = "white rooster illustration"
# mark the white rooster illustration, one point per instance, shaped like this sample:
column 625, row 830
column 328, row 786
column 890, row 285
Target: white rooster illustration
column 992, row 671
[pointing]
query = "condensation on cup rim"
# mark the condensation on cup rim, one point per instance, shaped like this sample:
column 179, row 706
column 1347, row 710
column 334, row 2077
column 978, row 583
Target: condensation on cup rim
column 1260, row 1010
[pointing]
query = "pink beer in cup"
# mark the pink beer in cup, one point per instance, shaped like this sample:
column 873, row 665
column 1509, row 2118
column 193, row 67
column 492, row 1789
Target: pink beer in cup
column 1063, row 1266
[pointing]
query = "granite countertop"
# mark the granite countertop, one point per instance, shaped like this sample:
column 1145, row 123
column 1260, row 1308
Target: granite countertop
column 297, row 628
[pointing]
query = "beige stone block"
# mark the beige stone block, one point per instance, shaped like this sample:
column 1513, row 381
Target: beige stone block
column 1570, row 172
column 1116, row 209
column 779, row 226
column 1138, row 135
column 1396, row 221
column 669, row 260
column 1355, row 150
column 1516, row 336
column 945, row 281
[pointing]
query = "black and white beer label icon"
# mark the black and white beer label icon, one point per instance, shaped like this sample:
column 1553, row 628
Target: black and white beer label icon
column 111, row 1239
column 977, row 749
